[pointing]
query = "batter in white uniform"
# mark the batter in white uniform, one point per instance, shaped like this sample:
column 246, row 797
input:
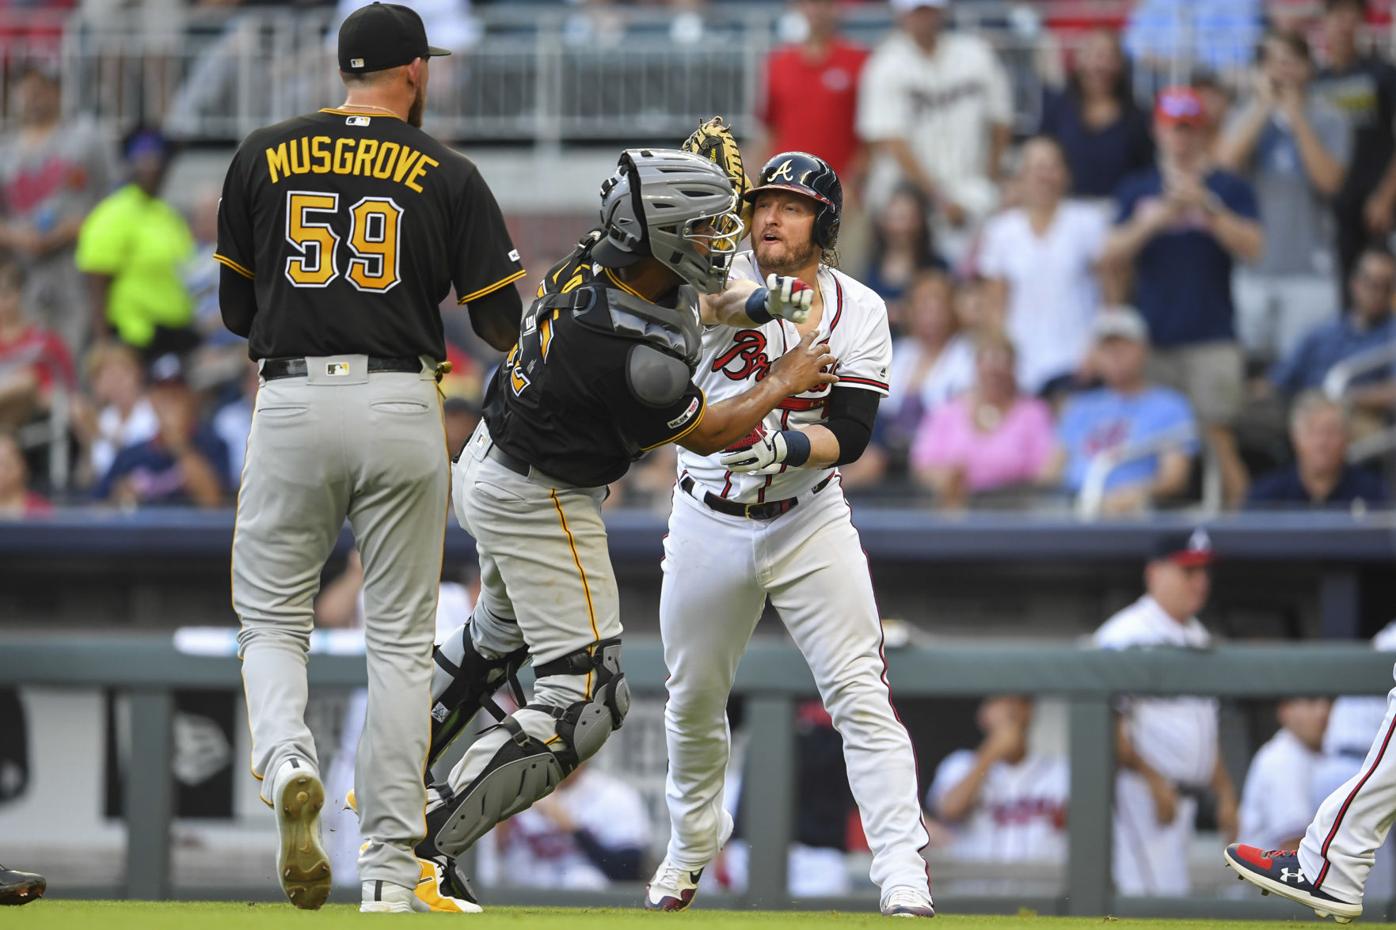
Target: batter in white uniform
column 1168, row 753
column 768, row 519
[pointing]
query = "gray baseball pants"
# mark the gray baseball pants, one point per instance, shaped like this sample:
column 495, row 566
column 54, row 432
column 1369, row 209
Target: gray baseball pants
column 545, row 581
column 342, row 443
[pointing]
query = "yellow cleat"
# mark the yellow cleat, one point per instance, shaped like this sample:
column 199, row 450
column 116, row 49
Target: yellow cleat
column 440, row 893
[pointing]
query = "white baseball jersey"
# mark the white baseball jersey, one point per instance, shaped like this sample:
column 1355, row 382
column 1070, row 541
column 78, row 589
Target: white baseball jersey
column 1276, row 803
column 944, row 105
column 1176, row 736
column 854, row 323
column 1020, row 814
column 720, row 570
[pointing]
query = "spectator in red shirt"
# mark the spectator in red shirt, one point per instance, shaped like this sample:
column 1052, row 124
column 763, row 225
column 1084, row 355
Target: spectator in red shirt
column 16, row 500
column 32, row 359
column 812, row 93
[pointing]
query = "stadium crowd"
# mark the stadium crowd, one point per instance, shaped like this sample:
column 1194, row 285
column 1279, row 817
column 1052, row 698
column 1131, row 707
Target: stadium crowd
column 1165, row 282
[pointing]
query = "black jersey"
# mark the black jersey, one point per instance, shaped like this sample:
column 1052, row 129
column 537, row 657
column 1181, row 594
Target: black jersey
column 561, row 401
column 353, row 228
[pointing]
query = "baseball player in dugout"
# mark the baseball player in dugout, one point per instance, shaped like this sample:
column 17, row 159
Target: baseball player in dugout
column 767, row 518
column 602, row 371
column 340, row 233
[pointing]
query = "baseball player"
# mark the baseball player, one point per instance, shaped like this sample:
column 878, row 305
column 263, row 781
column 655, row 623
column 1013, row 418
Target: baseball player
column 601, row 373
column 1168, row 750
column 1332, row 868
column 340, row 233
column 768, row 519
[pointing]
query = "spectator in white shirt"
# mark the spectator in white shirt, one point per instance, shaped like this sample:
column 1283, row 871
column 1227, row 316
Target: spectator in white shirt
column 123, row 415
column 1003, row 802
column 1277, row 800
column 1040, row 259
column 936, row 108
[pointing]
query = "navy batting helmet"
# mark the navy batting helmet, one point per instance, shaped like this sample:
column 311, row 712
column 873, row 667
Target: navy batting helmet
column 810, row 175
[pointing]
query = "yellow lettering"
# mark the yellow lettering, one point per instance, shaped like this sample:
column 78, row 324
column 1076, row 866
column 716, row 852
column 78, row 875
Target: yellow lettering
column 421, row 169
column 277, row 164
column 320, row 148
column 382, row 168
column 363, row 161
column 343, row 160
column 410, row 156
column 300, row 155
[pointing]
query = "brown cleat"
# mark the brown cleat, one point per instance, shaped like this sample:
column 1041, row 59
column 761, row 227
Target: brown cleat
column 301, row 864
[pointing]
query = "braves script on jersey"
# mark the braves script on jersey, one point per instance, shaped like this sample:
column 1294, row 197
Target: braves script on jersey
column 854, row 323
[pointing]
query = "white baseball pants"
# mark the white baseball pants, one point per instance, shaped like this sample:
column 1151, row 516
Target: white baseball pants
column 718, row 572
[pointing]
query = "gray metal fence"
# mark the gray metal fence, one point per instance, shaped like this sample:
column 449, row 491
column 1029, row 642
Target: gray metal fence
column 772, row 676
column 541, row 73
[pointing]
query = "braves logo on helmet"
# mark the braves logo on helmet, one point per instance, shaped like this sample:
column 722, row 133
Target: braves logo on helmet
column 811, row 176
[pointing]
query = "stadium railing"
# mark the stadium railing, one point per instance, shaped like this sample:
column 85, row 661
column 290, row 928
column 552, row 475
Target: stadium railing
column 524, row 72
column 772, row 677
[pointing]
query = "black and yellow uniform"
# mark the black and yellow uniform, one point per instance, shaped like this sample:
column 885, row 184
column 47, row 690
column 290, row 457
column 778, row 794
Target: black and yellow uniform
column 353, row 228
column 561, row 401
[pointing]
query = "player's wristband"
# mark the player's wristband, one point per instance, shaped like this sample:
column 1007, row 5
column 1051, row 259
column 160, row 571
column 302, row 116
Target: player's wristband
column 756, row 306
column 797, row 447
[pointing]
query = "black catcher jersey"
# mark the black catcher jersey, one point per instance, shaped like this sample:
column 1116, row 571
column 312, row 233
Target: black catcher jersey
column 561, row 401
column 353, row 228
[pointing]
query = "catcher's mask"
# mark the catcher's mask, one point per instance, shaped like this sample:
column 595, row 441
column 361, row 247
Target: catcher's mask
column 675, row 207
column 811, row 176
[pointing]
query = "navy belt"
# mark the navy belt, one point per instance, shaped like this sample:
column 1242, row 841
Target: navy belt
column 274, row 368
column 768, row 510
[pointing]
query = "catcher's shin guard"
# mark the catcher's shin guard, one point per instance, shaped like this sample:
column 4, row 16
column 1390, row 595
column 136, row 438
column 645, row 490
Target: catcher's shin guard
column 465, row 681
column 525, row 768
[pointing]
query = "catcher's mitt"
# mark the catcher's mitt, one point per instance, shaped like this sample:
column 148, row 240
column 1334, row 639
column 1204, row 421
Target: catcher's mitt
column 713, row 140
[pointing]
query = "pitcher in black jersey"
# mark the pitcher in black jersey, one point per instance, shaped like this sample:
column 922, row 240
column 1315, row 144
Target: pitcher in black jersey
column 340, row 233
column 601, row 373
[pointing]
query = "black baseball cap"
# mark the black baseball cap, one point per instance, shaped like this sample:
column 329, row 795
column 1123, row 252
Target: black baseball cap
column 1185, row 549
column 383, row 35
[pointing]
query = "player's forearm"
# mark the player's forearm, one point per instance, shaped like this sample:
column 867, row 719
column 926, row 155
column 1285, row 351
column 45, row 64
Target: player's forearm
column 495, row 317
column 726, row 422
column 729, row 307
column 823, row 447
column 237, row 301
column 1376, row 398
column 901, row 151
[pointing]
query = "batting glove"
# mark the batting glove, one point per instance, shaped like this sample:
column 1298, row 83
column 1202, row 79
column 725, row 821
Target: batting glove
column 769, row 453
column 783, row 296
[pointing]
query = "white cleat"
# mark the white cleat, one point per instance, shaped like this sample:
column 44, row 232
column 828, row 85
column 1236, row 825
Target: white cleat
column 302, row 867
column 380, row 897
column 672, row 888
column 908, row 901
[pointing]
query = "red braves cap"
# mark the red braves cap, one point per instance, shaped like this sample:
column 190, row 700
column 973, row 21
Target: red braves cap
column 1179, row 106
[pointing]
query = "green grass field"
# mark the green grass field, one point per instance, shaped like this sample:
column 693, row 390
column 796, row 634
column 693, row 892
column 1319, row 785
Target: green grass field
column 137, row 915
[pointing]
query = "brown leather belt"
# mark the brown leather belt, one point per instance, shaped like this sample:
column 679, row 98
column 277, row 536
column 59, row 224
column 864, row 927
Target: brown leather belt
column 767, row 510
